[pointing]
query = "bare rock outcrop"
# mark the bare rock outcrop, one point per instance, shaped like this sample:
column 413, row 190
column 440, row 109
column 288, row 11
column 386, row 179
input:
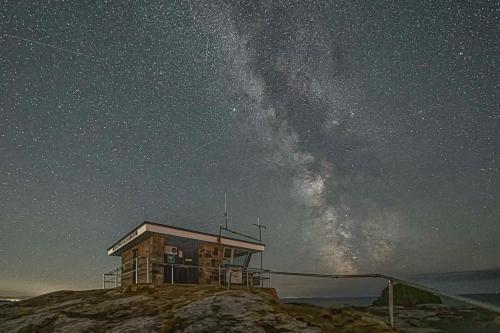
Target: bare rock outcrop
column 180, row 308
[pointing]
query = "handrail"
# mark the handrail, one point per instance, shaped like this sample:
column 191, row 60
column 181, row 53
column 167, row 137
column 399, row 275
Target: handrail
column 335, row 276
column 393, row 279
column 122, row 265
column 486, row 306
column 249, row 269
column 117, row 272
column 229, row 268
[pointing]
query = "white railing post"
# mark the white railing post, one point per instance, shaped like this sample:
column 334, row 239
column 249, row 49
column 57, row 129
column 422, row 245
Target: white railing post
column 172, row 282
column 136, row 270
column 391, row 302
column 219, row 275
column 116, row 284
column 269, row 279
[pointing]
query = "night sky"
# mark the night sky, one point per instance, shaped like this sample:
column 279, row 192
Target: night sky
column 365, row 135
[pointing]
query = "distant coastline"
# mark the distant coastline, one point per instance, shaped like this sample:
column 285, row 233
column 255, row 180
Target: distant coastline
column 492, row 298
column 11, row 299
column 327, row 301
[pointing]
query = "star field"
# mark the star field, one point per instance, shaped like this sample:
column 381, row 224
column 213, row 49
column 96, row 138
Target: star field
column 365, row 135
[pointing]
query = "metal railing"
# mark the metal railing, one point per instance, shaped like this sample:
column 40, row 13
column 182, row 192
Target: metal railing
column 391, row 281
column 117, row 273
column 143, row 267
column 224, row 273
column 225, row 277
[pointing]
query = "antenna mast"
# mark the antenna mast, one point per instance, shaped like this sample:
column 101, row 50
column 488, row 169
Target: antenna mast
column 260, row 226
column 225, row 208
column 226, row 228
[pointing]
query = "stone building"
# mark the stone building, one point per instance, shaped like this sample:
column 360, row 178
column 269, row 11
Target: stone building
column 157, row 253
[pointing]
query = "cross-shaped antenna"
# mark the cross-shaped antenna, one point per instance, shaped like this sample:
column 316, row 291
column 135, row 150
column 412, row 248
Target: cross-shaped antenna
column 225, row 209
column 260, row 226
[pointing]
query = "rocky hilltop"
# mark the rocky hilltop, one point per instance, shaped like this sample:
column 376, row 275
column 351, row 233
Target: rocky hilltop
column 180, row 308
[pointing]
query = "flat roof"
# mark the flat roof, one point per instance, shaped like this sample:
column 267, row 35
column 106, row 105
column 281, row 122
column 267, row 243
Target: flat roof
column 148, row 228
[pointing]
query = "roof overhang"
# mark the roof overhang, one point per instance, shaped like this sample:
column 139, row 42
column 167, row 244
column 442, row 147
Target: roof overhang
column 147, row 229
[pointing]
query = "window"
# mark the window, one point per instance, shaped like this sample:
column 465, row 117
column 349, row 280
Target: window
column 228, row 256
column 235, row 257
column 228, row 253
column 240, row 257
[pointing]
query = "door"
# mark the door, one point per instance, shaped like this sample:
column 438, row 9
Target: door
column 187, row 256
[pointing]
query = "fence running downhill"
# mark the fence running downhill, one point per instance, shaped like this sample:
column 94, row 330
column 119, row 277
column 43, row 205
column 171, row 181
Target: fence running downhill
column 142, row 267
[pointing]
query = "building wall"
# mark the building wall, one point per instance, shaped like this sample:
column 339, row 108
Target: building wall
column 152, row 247
column 209, row 256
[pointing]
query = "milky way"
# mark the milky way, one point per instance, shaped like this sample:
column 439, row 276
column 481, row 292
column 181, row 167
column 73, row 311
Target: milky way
column 366, row 136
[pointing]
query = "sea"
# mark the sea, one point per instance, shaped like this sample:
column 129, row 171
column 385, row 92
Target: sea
column 363, row 301
column 331, row 301
column 368, row 300
column 9, row 300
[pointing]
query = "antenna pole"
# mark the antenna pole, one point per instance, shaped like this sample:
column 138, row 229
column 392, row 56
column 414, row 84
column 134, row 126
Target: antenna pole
column 260, row 229
column 260, row 239
column 260, row 226
column 225, row 208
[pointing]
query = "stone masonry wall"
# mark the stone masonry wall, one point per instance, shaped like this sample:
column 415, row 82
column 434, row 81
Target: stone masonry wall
column 152, row 247
column 209, row 256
